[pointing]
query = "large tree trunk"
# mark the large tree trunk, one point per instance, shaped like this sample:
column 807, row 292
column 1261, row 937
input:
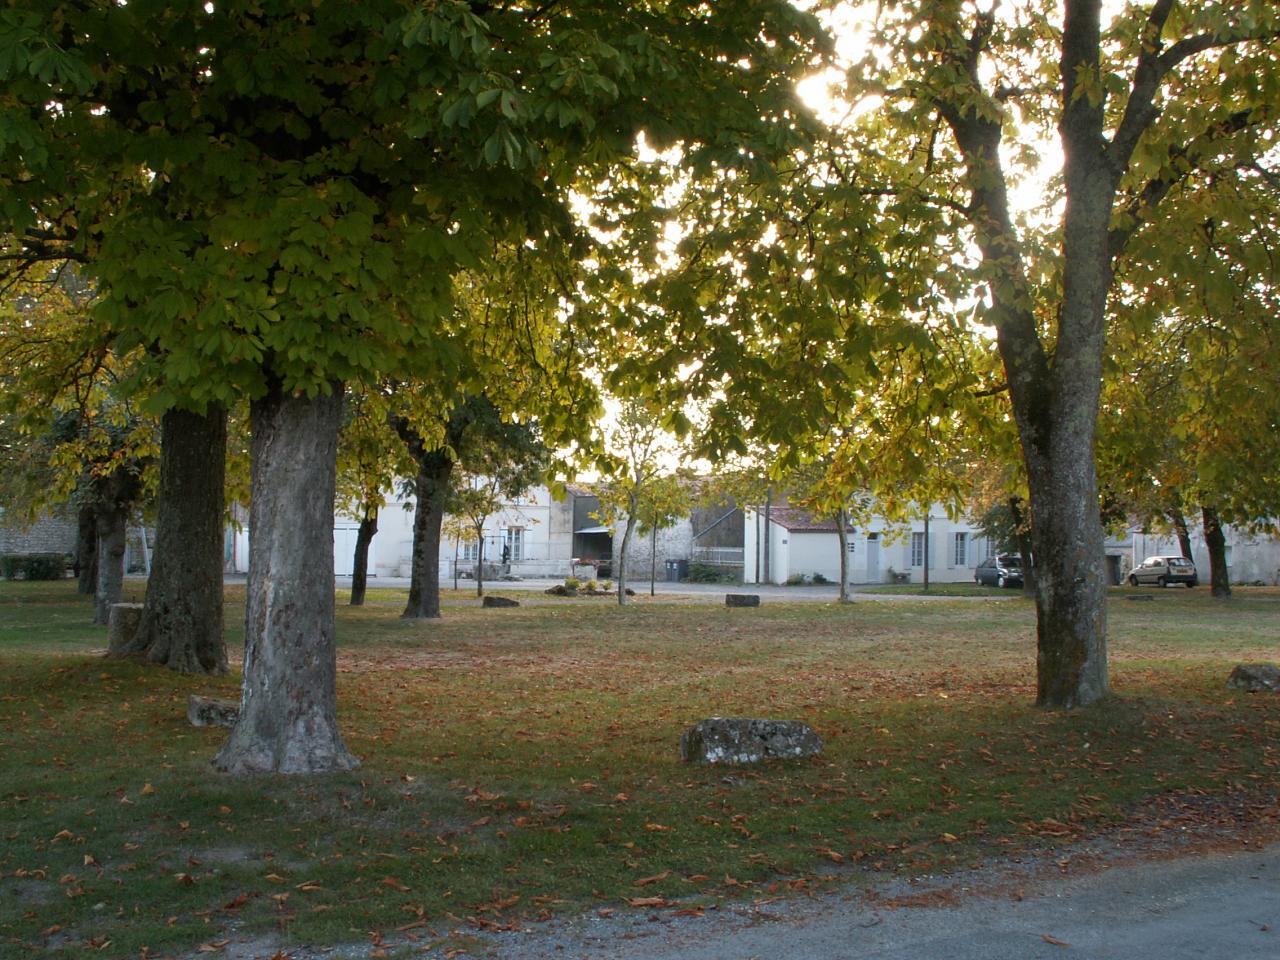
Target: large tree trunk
column 653, row 559
column 111, row 521
column 1022, row 542
column 181, row 624
column 1216, row 541
column 842, row 536
column 1070, row 582
column 1180, row 528
column 431, row 487
column 1055, row 397
column 288, row 720
column 86, row 551
column 620, row 561
column 360, row 563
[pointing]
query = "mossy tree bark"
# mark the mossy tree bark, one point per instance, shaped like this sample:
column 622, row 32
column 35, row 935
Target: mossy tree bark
column 181, row 624
column 113, row 496
column 288, row 717
column 431, row 489
column 360, row 563
column 1216, row 541
column 86, row 551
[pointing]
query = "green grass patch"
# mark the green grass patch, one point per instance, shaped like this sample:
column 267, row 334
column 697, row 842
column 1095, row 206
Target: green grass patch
column 964, row 588
column 521, row 762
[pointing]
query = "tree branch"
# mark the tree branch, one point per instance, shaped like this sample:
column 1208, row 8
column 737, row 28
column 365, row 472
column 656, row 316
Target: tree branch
column 1155, row 63
column 1183, row 161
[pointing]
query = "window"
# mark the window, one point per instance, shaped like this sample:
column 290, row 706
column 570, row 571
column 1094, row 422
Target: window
column 513, row 546
column 852, row 545
column 917, row 549
column 470, row 551
column 962, row 550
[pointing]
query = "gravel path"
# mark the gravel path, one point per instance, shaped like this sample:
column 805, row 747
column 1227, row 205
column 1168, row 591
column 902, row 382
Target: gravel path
column 1220, row 905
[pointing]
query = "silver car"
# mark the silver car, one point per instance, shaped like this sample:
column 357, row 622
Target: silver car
column 1004, row 570
column 1163, row 571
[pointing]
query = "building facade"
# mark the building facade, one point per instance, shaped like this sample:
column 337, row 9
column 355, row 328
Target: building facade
column 785, row 543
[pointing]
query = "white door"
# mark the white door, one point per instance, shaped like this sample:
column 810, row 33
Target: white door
column 344, row 550
column 873, row 558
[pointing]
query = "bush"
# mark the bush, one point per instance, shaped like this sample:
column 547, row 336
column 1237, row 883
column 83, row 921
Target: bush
column 33, row 566
column 819, row 579
column 707, row 573
column 572, row 583
column 592, row 586
column 797, row 580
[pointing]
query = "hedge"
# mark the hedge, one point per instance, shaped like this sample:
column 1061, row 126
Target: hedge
column 33, row 566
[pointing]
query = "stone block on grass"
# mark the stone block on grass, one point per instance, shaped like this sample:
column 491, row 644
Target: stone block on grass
column 206, row 712
column 122, row 624
column 1255, row 678
column 499, row 602
column 742, row 599
column 740, row 740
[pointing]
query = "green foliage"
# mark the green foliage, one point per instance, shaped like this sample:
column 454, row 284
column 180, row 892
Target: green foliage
column 1190, row 412
column 287, row 193
column 33, row 566
column 700, row 572
column 1000, row 525
column 68, row 428
column 797, row 580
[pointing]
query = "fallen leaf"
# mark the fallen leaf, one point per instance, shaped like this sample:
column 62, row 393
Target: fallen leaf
column 648, row 901
column 1054, row 940
column 656, row 878
column 148, row 789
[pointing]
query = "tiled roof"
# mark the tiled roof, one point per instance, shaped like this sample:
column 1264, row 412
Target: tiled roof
column 801, row 521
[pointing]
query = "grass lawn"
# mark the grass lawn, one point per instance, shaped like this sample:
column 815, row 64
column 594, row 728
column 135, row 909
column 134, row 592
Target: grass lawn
column 523, row 762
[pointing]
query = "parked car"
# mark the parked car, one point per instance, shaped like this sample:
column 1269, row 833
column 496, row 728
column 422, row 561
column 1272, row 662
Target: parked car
column 1004, row 570
column 1162, row 571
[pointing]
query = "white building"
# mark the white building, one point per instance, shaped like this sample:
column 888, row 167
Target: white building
column 798, row 544
column 546, row 537
column 535, row 533
column 1251, row 558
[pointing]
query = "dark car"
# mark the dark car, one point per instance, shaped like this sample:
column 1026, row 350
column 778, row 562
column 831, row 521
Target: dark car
column 1162, row 571
column 1004, row 570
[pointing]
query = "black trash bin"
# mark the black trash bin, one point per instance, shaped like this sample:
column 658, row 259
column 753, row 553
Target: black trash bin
column 677, row 570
